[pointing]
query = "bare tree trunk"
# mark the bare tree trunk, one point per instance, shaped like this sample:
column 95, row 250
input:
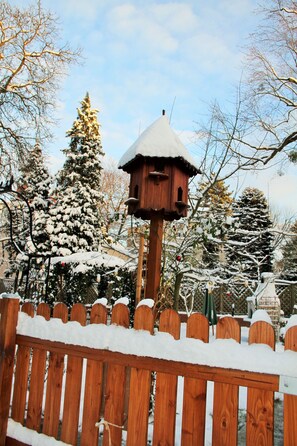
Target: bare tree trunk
column 177, row 285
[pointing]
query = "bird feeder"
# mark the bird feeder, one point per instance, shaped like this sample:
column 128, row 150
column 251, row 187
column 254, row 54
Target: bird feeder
column 160, row 167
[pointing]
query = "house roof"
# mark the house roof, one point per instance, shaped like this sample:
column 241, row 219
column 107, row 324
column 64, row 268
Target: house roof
column 158, row 141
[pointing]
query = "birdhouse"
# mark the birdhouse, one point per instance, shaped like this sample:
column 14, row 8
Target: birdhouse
column 160, row 167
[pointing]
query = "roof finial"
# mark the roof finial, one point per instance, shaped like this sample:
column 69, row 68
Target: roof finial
column 163, row 112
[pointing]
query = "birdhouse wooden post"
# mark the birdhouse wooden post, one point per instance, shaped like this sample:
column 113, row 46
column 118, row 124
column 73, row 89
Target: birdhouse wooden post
column 160, row 168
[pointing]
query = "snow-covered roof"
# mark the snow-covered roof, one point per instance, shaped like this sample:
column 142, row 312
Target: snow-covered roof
column 159, row 140
column 91, row 258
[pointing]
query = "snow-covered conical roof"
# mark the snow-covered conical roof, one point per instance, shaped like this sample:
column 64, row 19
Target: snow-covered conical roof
column 159, row 141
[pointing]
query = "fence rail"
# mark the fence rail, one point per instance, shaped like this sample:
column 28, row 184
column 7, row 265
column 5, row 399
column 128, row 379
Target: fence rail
column 89, row 383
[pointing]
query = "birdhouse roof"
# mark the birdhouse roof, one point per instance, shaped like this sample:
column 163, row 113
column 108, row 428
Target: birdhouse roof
column 158, row 141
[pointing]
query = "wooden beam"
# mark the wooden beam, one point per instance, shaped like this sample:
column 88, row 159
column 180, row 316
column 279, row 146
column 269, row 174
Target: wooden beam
column 139, row 269
column 154, row 258
column 219, row 374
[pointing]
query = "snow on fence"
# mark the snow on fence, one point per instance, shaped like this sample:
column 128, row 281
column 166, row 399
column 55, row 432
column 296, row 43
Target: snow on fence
column 63, row 377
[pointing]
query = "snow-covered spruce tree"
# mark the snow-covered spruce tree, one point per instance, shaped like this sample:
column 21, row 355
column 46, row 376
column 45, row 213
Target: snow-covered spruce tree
column 289, row 252
column 251, row 245
column 75, row 224
column 35, row 184
column 217, row 206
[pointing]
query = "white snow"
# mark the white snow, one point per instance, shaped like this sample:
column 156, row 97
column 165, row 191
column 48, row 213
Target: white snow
column 225, row 353
column 122, row 300
column 261, row 315
column 148, row 302
column 292, row 322
column 18, row 432
column 90, row 258
column 158, row 140
column 102, row 301
column 10, row 295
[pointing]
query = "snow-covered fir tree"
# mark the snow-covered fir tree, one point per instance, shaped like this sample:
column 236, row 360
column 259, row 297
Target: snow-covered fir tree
column 30, row 211
column 251, row 245
column 217, row 206
column 289, row 253
column 75, row 224
column 35, row 184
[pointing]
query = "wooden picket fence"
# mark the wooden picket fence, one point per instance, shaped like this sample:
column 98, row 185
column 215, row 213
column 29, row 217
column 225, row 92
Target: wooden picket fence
column 117, row 386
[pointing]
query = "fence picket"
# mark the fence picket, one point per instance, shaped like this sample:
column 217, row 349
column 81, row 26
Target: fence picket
column 140, row 387
column 37, row 378
column 21, row 375
column 225, row 401
column 115, row 388
column 73, row 385
column 194, row 403
column 54, row 382
column 290, row 401
column 93, row 387
column 260, row 403
column 9, row 309
column 166, row 388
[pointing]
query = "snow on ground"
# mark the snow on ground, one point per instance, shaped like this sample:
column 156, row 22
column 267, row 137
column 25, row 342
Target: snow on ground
column 28, row 436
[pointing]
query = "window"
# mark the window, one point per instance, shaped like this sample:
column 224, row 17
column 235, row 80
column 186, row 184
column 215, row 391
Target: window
column 179, row 194
column 136, row 191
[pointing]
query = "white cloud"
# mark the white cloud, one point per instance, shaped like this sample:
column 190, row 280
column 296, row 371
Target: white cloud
column 140, row 27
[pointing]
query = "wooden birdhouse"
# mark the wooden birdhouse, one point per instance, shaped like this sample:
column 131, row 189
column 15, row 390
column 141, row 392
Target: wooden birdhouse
column 160, row 167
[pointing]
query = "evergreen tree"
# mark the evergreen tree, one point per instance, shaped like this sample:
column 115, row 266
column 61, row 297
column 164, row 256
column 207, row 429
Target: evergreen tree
column 35, row 184
column 289, row 252
column 252, row 243
column 217, row 205
column 75, row 224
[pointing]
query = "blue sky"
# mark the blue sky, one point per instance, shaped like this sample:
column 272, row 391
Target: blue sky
column 142, row 56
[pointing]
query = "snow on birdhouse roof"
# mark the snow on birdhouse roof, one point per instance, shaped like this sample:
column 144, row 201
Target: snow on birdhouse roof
column 159, row 140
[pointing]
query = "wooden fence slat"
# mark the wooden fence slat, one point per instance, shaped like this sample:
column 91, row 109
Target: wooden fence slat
column 33, row 419
column 8, row 323
column 115, row 387
column 140, row 387
column 290, row 401
column 93, row 387
column 166, row 389
column 260, row 403
column 73, row 385
column 225, row 401
column 194, row 402
column 21, row 375
column 54, row 382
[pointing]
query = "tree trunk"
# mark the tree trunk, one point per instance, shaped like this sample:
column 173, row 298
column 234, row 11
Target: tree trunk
column 177, row 285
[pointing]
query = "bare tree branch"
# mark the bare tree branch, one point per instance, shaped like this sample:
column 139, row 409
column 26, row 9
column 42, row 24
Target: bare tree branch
column 32, row 62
